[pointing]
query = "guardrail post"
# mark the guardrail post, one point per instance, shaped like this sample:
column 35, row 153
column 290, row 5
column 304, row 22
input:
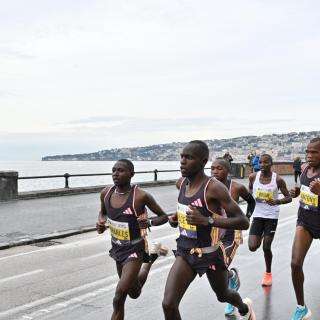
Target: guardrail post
column 66, row 181
column 8, row 185
column 155, row 175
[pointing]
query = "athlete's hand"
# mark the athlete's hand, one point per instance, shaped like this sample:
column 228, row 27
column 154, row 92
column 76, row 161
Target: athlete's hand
column 143, row 222
column 195, row 217
column 101, row 226
column 315, row 186
column 173, row 220
column 272, row 202
column 294, row 192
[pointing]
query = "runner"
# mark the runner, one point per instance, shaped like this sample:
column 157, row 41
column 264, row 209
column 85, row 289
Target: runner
column 202, row 204
column 123, row 211
column 308, row 223
column 264, row 186
column 220, row 169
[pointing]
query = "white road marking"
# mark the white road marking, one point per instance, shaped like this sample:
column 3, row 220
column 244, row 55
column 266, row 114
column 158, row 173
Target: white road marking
column 76, row 300
column 21, row 275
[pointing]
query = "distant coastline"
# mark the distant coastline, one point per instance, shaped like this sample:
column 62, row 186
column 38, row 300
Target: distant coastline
column 283, row 147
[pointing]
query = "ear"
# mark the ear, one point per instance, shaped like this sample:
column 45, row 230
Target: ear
column 204, row 162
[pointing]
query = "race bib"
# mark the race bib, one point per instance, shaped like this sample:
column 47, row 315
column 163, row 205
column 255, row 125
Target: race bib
column 119, row 230
column 308, row 199
column 263, row 195
column 185, row 228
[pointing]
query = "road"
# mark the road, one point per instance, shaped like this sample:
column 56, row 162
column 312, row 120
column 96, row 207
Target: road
column 74, row 278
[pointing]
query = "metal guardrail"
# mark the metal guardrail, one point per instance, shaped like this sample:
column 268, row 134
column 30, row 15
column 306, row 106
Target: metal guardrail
column 237, row 170
column 67, row 176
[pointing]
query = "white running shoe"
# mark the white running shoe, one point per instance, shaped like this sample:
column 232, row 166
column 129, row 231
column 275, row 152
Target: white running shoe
column 250, row 315
column 158, row 249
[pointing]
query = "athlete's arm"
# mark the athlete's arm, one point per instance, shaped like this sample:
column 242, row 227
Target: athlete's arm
column 146, row 199
column 251, row 181
column 101, row 223
column 315, row 186
column 283, row 188
column 173, row 219
column 247, row 196
column 217, row 192
column 179, row 182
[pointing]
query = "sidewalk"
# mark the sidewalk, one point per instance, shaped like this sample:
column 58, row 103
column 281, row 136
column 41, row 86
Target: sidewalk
column 29, row 221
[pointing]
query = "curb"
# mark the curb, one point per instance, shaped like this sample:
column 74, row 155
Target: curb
column 45, row 237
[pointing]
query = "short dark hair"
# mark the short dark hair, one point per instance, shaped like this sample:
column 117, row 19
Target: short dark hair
column 202, row 148
column 128, row 163
column 224, row 163
column 268, row 156
column 314, row 140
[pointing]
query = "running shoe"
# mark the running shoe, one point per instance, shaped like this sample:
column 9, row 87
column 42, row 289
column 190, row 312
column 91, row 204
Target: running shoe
column 229, row 310
column 301, row 313
column 267, row 279
column 234, row 281
column 234, row 284
column 250, row 315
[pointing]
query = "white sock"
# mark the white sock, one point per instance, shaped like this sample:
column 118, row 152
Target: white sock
column 301, row 307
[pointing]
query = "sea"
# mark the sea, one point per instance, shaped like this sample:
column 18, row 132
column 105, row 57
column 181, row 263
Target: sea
column 40, row 168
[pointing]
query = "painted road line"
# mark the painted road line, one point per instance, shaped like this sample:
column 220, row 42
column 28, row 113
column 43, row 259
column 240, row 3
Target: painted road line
column 18, row 276
column 86, row 298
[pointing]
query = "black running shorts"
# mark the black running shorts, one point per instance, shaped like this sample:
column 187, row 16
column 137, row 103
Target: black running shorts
column 263, row 227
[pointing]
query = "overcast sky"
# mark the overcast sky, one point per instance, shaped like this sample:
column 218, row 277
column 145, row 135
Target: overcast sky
column 85, row 75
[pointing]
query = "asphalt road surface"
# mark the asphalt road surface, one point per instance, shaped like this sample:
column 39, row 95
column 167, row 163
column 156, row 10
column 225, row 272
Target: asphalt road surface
column 74, row 278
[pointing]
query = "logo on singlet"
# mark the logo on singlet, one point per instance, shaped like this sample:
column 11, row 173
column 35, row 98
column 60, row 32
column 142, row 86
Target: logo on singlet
column 127, row 211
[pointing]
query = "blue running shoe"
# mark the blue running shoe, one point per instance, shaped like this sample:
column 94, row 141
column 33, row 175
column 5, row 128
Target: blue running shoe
column 234, row 282
column 229, row 310
column 301, row 314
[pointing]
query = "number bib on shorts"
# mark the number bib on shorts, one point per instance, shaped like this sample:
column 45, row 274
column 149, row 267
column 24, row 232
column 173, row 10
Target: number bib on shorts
column 119, row 230
column 185, row 228
column 308, row 200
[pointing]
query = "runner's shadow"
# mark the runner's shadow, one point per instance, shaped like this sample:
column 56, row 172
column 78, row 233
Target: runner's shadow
column 266, row 311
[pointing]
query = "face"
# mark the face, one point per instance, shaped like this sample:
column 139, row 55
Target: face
column 190, row 162
column 121, row 174
column 313, row 154
column 219, row 171
column 265, row 164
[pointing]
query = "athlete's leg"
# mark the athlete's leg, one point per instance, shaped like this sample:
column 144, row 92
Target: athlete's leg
column 178, row 281
column 267, row 241
column 301, row 244
column 296, row 176
column 218, row 280
column 255, row 233
column 128, row 276
column 135, row 290
column 254, row 242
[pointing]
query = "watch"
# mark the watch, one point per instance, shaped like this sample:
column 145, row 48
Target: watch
column 210, row 221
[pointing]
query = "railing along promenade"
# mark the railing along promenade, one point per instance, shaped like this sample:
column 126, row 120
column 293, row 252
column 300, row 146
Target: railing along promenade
column 9, row 179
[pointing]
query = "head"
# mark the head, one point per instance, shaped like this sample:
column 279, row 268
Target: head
column 266, row 163
column 122, row 172
column 313, row 153
column 220, row 169
column 193, row 158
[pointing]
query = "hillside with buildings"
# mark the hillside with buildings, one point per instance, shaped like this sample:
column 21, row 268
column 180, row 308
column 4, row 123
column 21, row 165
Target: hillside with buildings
column 283, row 147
